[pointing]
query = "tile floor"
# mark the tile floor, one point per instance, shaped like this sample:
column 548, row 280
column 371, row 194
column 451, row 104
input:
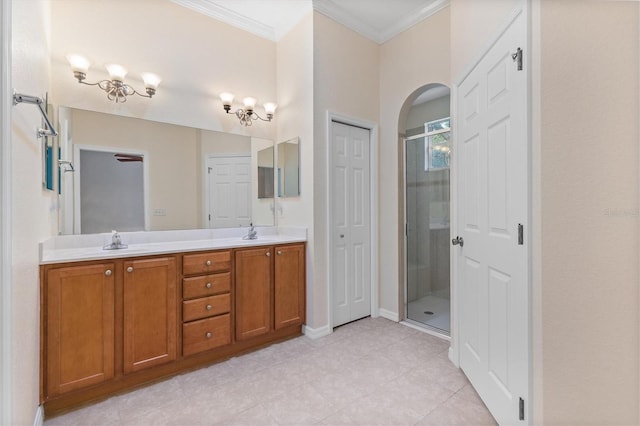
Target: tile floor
column 370, row 372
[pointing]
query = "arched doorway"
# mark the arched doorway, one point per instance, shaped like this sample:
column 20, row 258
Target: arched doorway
column 427, row 200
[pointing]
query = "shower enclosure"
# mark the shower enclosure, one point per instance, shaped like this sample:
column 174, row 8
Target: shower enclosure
column 427, row 195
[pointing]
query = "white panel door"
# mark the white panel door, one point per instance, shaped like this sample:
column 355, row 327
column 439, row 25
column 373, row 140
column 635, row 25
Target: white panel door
column 229, row 191
column 493, row 295
column 350, row 224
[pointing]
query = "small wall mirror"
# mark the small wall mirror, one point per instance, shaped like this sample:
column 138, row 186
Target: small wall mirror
column 288, row 177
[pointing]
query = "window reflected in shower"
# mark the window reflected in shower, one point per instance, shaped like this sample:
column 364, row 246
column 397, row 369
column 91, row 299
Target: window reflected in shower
column 427, row 211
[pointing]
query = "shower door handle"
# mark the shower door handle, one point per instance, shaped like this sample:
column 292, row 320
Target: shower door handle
column 458, row 240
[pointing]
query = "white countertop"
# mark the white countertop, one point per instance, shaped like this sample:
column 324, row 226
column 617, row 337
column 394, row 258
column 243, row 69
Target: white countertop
column 76, row 248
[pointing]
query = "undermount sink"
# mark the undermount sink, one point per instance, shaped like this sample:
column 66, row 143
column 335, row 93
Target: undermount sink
column 113, row 246
column 258, row 240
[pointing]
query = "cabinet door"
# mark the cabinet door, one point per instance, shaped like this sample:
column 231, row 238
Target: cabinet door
column 79, row 327
column 150, row 313
column 253, row 273
column 289, row 293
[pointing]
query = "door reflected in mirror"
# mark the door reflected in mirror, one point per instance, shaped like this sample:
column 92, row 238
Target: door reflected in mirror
column 196, row 178
column 288, row 177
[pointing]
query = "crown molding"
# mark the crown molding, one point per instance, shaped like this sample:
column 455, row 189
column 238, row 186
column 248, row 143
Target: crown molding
column 413, row 19
column 333, row 10
column 230, row 17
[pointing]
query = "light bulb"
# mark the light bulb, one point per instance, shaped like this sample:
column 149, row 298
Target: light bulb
column 116, row 72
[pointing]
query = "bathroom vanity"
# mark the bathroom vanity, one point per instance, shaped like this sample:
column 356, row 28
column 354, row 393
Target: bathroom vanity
column 171, row 302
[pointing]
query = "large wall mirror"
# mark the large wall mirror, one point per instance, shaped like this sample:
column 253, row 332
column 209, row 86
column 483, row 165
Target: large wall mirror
column 288, row 176
column 133, row 174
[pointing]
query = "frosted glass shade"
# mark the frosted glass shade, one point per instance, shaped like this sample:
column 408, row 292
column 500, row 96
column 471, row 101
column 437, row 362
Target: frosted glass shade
column 78, row 63
column 270, row 108
column 151, row 81
column 116, row 72
column 227, row 98
column 249, row 103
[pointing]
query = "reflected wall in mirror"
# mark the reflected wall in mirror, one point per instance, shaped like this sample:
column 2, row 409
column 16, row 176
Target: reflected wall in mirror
column 288, row 177
column 192, row 178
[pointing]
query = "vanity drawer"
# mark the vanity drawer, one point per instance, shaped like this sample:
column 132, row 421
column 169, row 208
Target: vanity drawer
column 202, row 335
column 206, row 307
column 206, row 285
column 215, row 261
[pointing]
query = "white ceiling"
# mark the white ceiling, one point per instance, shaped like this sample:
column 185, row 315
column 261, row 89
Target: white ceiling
column 378, row 20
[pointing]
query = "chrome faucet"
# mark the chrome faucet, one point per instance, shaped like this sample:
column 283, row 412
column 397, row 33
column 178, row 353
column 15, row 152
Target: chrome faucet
column 252, row 234
column 116, row 242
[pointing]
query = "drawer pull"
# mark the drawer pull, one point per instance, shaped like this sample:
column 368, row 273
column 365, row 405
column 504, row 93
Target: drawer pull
column 209, row 307
column 130, row 269
column 208, row 335
column 208, row 285
column 268, row 253
column 108, row 272
column 279, row 252
column 208, row 263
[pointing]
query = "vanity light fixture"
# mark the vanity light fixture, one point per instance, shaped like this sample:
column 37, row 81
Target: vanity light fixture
column 247, row 114
column 117, row 90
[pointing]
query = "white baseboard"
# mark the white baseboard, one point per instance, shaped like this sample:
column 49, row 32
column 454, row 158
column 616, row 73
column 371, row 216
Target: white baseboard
column 39, row 419
column 393, row 316
column 316, row 333
column 452, row 357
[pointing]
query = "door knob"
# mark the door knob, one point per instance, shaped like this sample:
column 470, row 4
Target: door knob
column 458, row 240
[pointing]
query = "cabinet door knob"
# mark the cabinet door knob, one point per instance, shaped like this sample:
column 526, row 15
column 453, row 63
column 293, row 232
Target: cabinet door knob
column 130, row 269
column 208, row 335
column 208, row 263
column 108, row 272
column 268, row 253
column 279, row 252
column 208, row 285
column 209, row 307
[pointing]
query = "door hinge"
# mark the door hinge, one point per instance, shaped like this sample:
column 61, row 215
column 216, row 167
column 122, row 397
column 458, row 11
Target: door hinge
column 209, row 218
column 521, row 409
column 520, row 234
column 517, row 57
column 209, row 169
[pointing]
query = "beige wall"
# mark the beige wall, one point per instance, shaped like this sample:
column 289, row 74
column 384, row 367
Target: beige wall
column 33, row 209
column 295, row 103
column 588, row 207
column 402, row 75
column 473, row 23
column 206, row 57
column 345, row 81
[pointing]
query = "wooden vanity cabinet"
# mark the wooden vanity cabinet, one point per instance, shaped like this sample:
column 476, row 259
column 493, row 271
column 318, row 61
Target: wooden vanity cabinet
column 103, row 320
column 254, row 287
column 79, row 314
column 289, row 286
column 206, row 301
column 109, row 326
column 150, row 302
column 270, row 289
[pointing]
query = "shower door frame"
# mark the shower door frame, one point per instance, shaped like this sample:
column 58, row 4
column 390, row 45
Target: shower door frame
column 405, row 316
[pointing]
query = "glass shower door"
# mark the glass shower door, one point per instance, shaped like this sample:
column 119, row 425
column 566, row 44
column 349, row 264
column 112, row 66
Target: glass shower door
column 427, row 202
